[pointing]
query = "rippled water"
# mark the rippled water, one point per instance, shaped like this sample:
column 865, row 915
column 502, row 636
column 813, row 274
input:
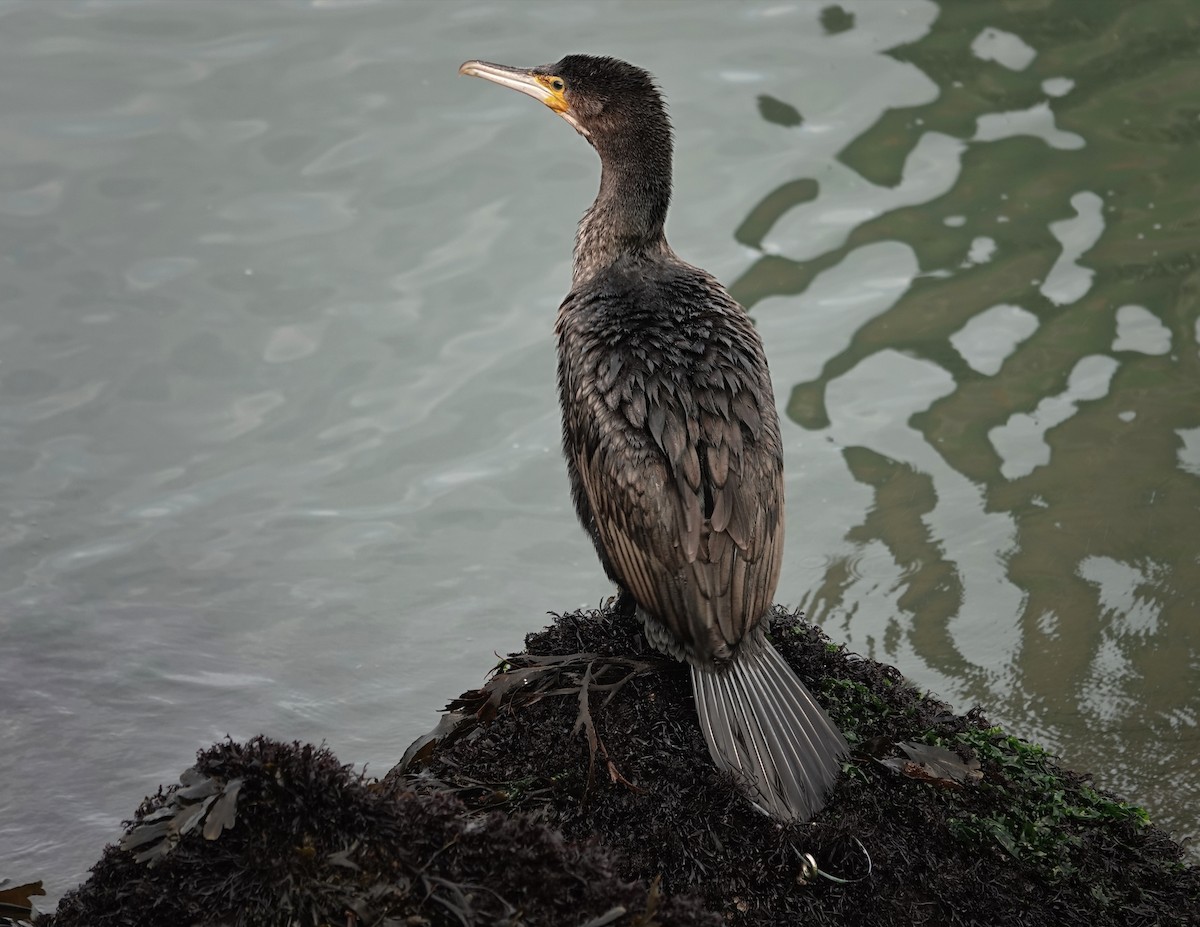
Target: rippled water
column 278, row 436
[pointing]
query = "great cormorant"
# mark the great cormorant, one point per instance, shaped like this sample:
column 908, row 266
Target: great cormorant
column 672, row 441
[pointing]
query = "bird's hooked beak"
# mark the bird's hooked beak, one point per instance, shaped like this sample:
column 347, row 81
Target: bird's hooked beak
column 545, row 88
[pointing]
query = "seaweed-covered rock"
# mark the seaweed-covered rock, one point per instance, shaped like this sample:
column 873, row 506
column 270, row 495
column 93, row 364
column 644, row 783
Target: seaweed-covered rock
column 575, row 789
column 939, row 818
column 308, row 842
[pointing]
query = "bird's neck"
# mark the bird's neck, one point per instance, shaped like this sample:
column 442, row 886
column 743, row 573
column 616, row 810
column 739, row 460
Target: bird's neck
column 629, row 213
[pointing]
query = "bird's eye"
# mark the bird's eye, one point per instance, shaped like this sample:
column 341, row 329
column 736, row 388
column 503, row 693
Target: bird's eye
column 556, row 84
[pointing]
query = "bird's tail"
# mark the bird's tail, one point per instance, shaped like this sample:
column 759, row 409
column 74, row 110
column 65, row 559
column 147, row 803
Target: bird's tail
column 764, row 726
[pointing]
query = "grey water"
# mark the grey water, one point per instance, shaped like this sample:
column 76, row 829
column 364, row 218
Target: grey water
column 278, row 434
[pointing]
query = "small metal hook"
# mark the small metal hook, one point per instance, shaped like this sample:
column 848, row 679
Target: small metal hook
column 809, row 868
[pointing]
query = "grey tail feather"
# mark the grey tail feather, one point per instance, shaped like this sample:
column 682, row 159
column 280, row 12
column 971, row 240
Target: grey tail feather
column 763, row 725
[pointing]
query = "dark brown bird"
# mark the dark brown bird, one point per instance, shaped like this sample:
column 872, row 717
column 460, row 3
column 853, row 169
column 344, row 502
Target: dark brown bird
column 672, row 440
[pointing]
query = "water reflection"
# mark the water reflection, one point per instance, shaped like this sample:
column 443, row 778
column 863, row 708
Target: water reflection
column 1011, row 384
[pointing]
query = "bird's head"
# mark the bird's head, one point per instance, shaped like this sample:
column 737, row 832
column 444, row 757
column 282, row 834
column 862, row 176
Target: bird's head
column 602, row 98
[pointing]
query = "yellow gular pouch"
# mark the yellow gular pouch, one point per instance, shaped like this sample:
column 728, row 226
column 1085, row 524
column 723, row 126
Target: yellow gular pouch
column 554, row 90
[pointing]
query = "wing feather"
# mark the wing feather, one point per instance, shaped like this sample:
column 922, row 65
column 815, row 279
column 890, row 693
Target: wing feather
column 681, row 470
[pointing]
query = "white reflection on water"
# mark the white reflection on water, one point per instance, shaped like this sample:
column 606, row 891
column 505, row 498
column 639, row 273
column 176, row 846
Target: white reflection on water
column 983, row 249
column 992, row 335
column 1068, row 281
column 930, row 170
column 1130, row 613
column 1037, row 121
column 1057, row 86
column 1120, row 587
column 1189, row 451
column 802, row 333
column 1020, row 441
column 1004, row 48
column 1139, row 329
column 976, row 540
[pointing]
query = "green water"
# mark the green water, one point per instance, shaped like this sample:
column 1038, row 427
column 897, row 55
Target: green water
column 1100, row 648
